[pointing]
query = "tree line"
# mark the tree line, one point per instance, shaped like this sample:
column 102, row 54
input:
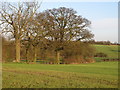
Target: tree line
column 102, row 42
column 55, row 34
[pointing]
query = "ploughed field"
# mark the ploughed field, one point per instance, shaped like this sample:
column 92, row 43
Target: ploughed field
column 92, row 75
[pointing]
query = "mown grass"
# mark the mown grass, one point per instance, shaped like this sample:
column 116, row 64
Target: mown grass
column 94, row 75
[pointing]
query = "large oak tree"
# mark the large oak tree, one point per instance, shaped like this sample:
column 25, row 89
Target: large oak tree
column 64, row 25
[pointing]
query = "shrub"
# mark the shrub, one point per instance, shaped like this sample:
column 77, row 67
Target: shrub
column 100, row 55
column 78, row 52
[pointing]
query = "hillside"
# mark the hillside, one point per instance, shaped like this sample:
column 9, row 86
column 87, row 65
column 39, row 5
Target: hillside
column 111, row 50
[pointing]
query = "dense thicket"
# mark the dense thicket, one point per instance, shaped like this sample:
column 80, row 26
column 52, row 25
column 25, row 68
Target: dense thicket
column 74, row 52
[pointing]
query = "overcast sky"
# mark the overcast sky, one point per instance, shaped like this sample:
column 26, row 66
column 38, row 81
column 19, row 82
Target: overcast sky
column 103, row 15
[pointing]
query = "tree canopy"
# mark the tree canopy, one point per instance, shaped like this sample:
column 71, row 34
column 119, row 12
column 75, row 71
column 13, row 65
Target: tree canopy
column 52, row 31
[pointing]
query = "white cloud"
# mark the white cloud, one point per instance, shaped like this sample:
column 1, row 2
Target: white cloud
column 108, row 24
column 106, row 29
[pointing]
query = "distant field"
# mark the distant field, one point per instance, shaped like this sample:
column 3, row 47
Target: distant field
column 111, row 50
column 94, row 75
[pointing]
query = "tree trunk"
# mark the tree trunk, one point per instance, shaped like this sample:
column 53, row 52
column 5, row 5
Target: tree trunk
column 35, row 54
column 17, row 50
column 27, row 55
column 58, row 57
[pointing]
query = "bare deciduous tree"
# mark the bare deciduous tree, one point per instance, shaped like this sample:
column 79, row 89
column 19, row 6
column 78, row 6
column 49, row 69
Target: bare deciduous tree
column 15, row 19
column 64, row 25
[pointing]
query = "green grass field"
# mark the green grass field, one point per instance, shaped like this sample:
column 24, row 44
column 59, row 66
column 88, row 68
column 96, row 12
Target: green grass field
column 112, row 51
column 94, row 75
